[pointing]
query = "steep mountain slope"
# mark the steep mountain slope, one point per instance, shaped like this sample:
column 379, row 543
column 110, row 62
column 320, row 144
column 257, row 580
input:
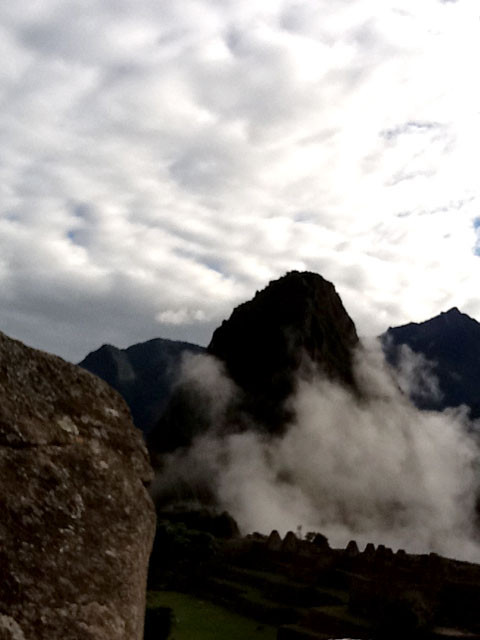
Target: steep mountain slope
column 451, row 341
column 297, row 322
column 296, row 325
column 143, row 374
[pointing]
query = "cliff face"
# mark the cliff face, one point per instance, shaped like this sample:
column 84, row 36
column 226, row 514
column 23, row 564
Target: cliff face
column 76, row 522
column 451, row 341
column 296, row 324
column 143, row 374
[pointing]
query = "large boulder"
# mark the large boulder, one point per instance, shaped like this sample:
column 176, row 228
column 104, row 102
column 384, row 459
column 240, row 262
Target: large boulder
column 76, row 519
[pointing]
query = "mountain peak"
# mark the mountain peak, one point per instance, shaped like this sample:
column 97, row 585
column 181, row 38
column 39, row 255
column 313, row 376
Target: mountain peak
column 452, row 312
column 451, row 318
column 455, row 317
column 296, row 320
column 455, row 314
column 295, row 325
column 451, row 341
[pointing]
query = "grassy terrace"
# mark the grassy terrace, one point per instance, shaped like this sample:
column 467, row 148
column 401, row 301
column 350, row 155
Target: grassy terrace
column 197, row 619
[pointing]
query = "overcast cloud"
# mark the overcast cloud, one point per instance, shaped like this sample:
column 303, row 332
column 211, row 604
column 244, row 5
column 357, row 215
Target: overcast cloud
column 160, row 161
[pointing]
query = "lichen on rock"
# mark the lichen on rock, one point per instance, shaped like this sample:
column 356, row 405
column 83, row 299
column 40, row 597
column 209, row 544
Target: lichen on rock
column 77, row 522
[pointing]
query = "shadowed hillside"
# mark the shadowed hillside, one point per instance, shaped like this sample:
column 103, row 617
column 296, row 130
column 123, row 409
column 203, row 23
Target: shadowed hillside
column 310, row 591
column 451, row 341
column 143, row 374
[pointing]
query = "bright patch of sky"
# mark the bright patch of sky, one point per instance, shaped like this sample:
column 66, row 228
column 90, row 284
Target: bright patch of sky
column 161, row 161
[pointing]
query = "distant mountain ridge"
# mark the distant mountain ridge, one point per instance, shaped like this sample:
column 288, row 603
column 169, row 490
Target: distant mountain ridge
column 451, row 341
column 143, row 374
column 286, row 311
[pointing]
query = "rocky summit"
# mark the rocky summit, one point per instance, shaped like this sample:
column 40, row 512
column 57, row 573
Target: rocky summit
column 76, row 523
column 296, row 326
column 451, row 343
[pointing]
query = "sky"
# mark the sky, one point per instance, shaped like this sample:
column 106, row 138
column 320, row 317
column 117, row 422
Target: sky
column 161, row 161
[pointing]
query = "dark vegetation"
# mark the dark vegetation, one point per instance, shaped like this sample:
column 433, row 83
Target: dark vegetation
column 158, row 621
column 305, row 589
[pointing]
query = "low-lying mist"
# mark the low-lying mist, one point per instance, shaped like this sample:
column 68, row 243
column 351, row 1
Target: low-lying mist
column 370, row 467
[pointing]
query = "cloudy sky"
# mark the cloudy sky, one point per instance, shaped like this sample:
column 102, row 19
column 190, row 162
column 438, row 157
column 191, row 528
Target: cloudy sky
column 161, row 160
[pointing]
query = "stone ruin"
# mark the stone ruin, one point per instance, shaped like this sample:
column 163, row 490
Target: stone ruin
column 376, row 580
column 371, row 559
column 274, row 542
column 290, row 543
column 352, row 550
column 321, row 541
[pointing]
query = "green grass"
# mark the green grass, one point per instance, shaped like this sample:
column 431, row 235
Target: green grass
column 197, row 619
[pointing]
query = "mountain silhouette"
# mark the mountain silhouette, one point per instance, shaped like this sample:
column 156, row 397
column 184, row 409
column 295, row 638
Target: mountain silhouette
column 296, row 326
column 143, row 374
column 451, row 341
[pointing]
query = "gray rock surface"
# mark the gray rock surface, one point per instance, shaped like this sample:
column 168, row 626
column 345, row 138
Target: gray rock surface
column 76, row 520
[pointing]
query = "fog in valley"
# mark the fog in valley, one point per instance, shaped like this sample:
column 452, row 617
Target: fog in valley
column 369, row 467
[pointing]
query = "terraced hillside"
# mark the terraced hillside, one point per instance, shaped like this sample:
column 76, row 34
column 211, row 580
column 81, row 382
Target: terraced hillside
column 306, row 590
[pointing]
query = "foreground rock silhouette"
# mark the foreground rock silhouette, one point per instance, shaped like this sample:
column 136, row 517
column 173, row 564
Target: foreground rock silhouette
column 76, row 520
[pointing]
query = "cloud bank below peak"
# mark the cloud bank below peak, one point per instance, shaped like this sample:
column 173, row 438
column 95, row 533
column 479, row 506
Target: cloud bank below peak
column 374, row 470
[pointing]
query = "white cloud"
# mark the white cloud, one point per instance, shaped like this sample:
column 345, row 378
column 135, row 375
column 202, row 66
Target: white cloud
column 374, row 469
column 180, row 316
column 164, row 158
